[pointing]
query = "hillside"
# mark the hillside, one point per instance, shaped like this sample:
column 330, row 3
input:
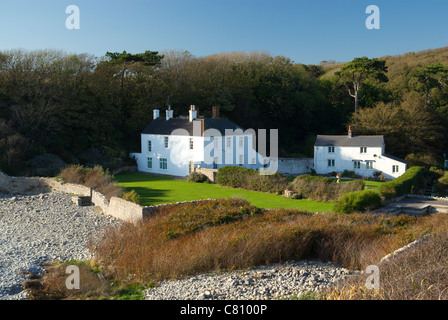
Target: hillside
column 400, row 63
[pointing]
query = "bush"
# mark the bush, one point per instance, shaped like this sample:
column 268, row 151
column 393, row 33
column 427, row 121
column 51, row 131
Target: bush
column 238, row 177
column 322, row 188
column 421, row 160
column 350, row 174
column 46, row 165
column 132, row 196
column 407, row 183
column 358, row 201
column 95, row 178
column 198, row 177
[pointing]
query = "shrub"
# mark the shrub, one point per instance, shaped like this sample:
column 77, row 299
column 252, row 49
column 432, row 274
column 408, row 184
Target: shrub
column 198, row 177
column 350, row 174
column 421, row 160
column 132, row 196
column 238, row 177
column 95, row 178
column 358, row 201
column 46, row 165
column 407, row 183
column 322, row 188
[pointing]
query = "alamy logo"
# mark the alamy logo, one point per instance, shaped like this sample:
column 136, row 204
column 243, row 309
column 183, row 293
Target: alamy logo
column 73, row 20
column 373, row 281
column 72, row 281
column 373, row 21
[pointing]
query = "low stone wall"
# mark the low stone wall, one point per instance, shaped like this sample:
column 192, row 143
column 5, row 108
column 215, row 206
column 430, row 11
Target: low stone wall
column 294, row 166
column 117, row 207
column 210, row 173
column 97, row 198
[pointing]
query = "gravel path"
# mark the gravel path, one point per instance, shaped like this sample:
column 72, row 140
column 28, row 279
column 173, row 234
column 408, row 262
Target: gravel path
column 284, row 281
column 40, row 228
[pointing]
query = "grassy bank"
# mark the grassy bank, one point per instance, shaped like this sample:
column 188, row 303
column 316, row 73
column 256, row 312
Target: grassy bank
column 231, row 234
column 158, row 189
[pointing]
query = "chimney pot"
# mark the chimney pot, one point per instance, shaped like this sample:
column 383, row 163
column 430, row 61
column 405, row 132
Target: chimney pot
column 156, row 113
column 349, row 131
column 193, row 113
column 169, row 114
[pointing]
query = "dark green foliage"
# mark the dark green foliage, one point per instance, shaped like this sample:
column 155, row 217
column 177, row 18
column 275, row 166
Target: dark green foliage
column 407, row 183
column 46, row 165
column 238, row 177
column 323, row 188
column 198, row 177
column 358, row 201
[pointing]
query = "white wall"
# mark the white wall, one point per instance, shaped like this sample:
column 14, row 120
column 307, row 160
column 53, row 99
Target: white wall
column 344, row 160
column 178, row 154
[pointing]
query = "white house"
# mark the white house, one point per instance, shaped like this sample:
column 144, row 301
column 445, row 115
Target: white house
column 362, row 154
column 175, row 146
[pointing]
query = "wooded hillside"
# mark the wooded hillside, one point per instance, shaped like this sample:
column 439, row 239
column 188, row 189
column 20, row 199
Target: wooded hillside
column 57, row 107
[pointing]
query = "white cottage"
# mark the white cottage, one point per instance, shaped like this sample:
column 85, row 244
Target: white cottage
column 362, row 154
column 175, row 146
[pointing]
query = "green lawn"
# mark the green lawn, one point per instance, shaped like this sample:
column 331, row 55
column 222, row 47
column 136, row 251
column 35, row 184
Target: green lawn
column 369, row 183
column 157, row 190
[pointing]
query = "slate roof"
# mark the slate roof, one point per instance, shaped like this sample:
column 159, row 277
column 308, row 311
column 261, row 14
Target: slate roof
column 346, row 141
column 161, row 126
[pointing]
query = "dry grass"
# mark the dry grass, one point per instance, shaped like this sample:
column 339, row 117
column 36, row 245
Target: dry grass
column 96, row 178
column 230, row 234
column 421, row 273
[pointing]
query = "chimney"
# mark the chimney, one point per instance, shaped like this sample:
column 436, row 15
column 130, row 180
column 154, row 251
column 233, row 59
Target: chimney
column 349, row 131
column 193, row 113
column 215, row 112
column 169, row 113
column 156, row 113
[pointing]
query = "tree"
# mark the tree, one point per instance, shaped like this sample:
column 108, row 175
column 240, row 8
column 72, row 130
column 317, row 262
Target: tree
column 408, row 127
column 431, row 76
column 127, row 61
column 356, row 72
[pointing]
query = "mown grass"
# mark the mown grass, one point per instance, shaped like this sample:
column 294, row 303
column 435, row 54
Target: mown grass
column 154, row 190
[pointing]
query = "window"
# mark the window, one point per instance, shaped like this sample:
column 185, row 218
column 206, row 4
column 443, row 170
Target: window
column 241, row 159
column 215, row 163
column 149, row 163
column 331, row 163
column 357, row 164
column 166, row 142
column 163, row 164
column 330, row 149
column 241, row 141
column 215, row 141
column 229, row 142
column 369, row 165
column 394, row 169
column 191, row 143
column 363, row 150
column 149, row 146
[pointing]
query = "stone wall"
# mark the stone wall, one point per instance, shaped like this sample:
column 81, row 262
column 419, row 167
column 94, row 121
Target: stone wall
column 294, row 166
column 116, row 207
column 210, row 173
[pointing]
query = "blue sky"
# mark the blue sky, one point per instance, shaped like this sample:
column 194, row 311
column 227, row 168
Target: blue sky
column 305, row 31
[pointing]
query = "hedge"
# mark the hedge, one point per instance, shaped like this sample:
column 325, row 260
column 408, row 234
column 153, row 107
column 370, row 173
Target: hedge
column 358, row 201
column 407, row 183
column 239, row 177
